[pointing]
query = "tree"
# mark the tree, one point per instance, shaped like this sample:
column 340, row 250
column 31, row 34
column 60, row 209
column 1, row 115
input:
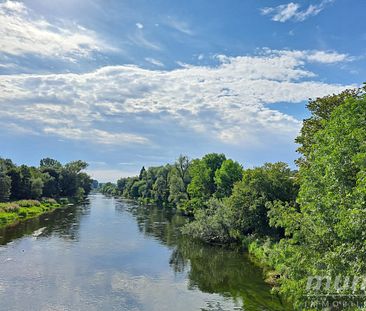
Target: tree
column 25, row 182
column 142, row 173
column 5, row 185
column 200, row 186
column 321, row 110
column 226, row 176
column 15, row 176
column 160, row 188
column 121, row 184
column 36, row 188
column 203, row 172
column 85, row 182
column 326, row 233
column 51, row 181
column 179, row 179
column 76, row 166
column 50, row 163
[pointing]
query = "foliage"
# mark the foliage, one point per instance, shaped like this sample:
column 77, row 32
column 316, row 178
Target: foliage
column 226, row 176
column 300, row 223
column 327, row 231
column 50, row 179
column 5, row 186
column 245, row 211
column 11, row 212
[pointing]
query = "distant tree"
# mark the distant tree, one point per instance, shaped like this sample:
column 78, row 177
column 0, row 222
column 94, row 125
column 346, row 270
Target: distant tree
column 36, row 188
column 226, row 176
column 51, row 180
column 76, row 166
column 48, row 163
column 142, row 173
column 14, row 174
column 25, row 182
column 203, row 171
column 121, row 184
column 160, row 188
column 200, row 186
column 95, row 184
column 178, row 180
column 5, row 185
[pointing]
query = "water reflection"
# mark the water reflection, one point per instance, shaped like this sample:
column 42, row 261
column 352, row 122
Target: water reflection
column 110, row 254
column 210, row 269
column 63, row 222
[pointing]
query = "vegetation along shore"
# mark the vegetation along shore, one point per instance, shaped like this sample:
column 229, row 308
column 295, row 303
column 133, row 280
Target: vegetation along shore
column 27, row 192
column 298, row 223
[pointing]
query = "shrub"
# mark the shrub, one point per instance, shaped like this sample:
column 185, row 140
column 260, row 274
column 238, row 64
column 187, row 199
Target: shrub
column 9, row 207
column 28, row 203
column 49, row 200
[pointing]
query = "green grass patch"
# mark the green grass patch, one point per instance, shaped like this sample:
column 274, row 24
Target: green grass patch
column 12, row 212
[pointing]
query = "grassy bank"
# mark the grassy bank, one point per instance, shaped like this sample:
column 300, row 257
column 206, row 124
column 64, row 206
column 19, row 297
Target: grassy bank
column 13, row 212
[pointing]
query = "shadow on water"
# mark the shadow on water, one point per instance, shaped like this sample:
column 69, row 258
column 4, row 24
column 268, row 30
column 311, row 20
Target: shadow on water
column 63, row 222
column 211, row 269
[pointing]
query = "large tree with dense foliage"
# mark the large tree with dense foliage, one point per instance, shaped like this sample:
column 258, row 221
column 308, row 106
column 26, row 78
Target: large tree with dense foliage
column 327, row 231
column 226, row 176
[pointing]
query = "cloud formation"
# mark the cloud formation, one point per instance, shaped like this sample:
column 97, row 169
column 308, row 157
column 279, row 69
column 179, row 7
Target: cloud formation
column 122, row 105
column 292, row 11
column 24, row 33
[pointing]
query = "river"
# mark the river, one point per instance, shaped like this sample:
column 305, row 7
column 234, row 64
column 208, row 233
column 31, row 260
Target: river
column 109, row 254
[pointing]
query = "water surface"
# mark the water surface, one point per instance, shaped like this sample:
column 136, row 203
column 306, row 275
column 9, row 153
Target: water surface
column 110, row 254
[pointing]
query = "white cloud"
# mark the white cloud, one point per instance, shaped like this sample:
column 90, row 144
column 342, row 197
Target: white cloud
column 327, row 57
column 140, row 39
column 139, row 25
column 96, row 136
column 154, row 61
column 22, row 32
column 127, row 104
column 291, row 11
column 179, row 25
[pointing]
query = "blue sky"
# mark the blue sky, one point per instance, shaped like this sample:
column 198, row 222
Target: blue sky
column 123, row 84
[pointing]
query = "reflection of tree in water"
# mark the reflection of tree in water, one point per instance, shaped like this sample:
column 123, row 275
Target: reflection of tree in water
column 63, row 222
column 162, row 224
column 210, row 269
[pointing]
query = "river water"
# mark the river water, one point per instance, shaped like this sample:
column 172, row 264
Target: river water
column 109, row 254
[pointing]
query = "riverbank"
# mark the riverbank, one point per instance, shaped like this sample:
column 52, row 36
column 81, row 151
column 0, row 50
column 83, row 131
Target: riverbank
column 11, row 213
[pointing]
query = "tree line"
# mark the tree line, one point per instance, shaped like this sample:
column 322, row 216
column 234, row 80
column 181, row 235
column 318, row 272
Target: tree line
column 307, row 222
column 51, row 179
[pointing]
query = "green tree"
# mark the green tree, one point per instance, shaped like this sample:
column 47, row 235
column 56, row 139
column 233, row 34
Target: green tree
column 226, row 176
column 321, row 110
column 36, row 188
column 50, row 163
column 326, row 233
column 5, row 185
column 15, row 176
column 179, row 178
column 25, row 182
column 142, row 173
column 203, row 172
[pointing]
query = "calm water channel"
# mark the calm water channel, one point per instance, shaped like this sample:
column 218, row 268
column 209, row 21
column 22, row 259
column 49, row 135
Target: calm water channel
column 109, row 254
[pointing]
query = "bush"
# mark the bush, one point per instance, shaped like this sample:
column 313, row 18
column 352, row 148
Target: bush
column 212, row 224
column 28, row 203
column 23, row 212
column 7, row 218
column 49, row 201
column 9, row 207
